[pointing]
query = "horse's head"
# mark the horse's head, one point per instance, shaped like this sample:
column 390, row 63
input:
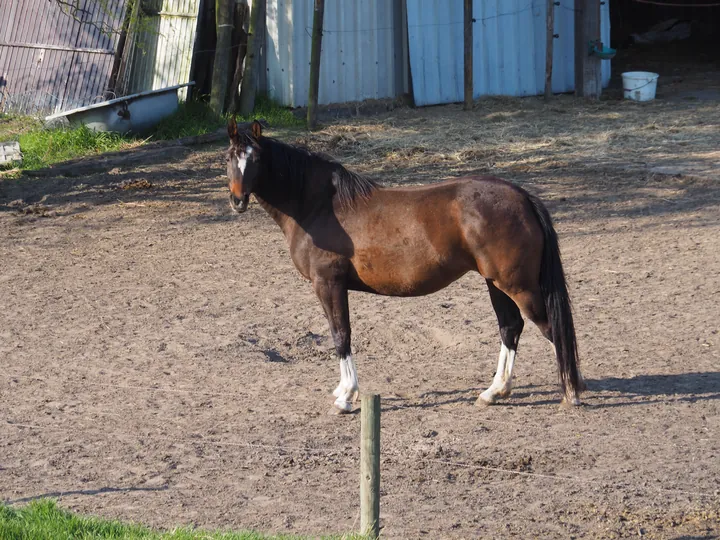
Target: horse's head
column 243, row 163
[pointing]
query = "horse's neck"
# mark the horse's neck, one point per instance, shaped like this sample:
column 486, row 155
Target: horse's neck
column 283, row 214
column 294, row 210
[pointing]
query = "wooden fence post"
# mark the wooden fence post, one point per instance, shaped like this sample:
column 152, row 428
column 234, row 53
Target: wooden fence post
column 588, row 75
column 315, row 63
column 370, row 465
column 252, row 57
column 549, row 41
column 468, row 56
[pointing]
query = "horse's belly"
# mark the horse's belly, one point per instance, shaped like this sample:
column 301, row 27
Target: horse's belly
column 400, row 275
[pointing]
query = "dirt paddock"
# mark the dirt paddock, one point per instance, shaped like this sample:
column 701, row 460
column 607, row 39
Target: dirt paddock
column 163, row 362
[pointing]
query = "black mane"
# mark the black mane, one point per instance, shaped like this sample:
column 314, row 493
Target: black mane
column 299, row 167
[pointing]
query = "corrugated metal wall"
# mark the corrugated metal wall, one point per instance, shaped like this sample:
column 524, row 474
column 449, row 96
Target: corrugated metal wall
column 160, row 54
column 362, row 50
column 508, row 48
column 49, row 61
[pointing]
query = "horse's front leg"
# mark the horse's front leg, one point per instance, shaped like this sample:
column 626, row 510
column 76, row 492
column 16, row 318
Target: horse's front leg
column 333, row 296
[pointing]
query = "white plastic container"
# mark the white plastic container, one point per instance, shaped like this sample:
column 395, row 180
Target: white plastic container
column 640, row 85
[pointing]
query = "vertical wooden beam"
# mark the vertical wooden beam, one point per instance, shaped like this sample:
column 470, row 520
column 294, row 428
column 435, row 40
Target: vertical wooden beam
column 549, row 42
column 315, row 63
column 370, row 466
column 588, row 75
column 468, row 56
column 252, row 59
column 221, row 67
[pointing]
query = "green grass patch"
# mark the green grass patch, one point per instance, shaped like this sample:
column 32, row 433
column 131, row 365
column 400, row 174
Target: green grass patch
column 44, row 147
column 43, row 520
column 191, row 118
column 276, row 115
column 196, row 118
column 12, row 126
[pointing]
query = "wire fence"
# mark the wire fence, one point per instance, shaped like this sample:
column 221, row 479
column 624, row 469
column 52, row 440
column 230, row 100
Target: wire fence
column 349, row 453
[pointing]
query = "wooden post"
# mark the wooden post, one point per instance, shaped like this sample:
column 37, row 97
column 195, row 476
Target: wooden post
column 252, row 59
column 370, row 465
column 239, row 51
column 588, row 75
column 315, row 63
column 221, row 66
column 549, row 48
column 468, row 56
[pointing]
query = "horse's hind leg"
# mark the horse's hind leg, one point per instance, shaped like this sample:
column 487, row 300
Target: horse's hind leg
column 532, row 305
column 511, row 326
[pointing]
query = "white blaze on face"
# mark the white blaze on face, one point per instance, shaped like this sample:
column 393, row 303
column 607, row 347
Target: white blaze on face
column 242, row 159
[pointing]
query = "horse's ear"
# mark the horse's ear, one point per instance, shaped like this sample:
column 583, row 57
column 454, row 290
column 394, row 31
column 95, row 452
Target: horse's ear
column 256, row 129
column 232, row 129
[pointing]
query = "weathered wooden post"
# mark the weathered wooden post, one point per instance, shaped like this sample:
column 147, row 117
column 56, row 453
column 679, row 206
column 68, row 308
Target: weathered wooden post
column 468, row 55
column 588, row 79
column 549, row 41
column 370, row 465
column 315, row 49
column 252, row 57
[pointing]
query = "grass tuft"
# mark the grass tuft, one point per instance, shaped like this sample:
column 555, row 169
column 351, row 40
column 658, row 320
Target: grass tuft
column 43, row 147
column 43, row 520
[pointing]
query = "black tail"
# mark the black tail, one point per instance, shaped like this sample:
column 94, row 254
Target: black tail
column 557, row 302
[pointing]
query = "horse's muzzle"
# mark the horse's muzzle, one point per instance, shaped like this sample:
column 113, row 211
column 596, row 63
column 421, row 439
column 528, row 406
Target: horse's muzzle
column 239, row 205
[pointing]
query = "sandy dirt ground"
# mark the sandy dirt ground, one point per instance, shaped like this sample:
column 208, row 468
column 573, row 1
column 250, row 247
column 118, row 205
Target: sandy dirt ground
column 162, row 361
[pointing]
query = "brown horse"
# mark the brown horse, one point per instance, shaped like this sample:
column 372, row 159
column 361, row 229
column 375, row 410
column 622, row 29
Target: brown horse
column 345, row 232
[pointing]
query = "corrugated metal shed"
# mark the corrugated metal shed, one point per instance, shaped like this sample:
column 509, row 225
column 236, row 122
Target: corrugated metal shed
column 49, row 61
column 362, row 50
column 160, row 54
column 508, row 48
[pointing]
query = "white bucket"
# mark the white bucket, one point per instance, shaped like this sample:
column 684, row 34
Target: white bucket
column 639, row 85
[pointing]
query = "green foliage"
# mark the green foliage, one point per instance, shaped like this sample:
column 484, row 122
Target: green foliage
column 197, row 118
column 276, row 115
column 191, row 118
column 43, row 520
column 43, row 147
column 12, row 126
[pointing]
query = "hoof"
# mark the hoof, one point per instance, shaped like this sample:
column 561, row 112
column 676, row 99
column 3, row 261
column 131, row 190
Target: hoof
column 483, row 402
column 334, row 411
column 504, row 393
column 342, row 406
column 568, row 403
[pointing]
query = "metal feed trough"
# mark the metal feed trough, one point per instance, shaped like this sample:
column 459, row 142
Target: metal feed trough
column 135, row 113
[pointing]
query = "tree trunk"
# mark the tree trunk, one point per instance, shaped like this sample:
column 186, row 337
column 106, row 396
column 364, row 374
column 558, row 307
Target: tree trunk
column 252, row 60
column 315, row 63
column 205, row 51
column 239, row 51
column 221, row 70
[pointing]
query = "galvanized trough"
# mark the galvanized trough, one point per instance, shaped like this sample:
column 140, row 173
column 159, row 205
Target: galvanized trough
column 135, row 113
